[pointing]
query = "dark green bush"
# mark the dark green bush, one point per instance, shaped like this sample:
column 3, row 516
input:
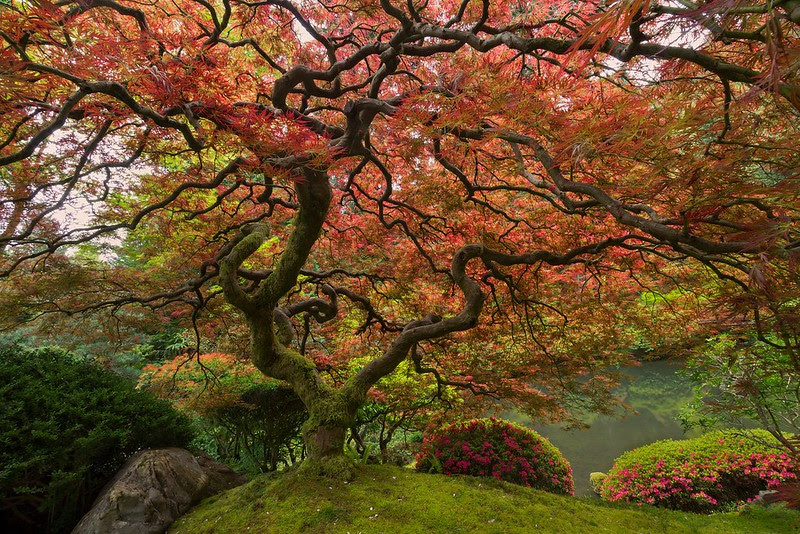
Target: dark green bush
column 701, row 474
column 259, row 431
column 245, row 419
column 66, row 427
column 499, row 449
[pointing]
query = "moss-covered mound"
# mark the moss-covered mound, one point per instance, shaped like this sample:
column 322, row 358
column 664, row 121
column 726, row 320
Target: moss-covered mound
column 391, row 499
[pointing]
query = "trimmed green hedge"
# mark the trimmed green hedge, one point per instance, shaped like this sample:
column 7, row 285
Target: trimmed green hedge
column 66, row 427
column 701, row 474
column 496, row 448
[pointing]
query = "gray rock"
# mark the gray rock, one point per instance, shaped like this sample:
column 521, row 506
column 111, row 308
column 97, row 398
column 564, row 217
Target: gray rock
column 768, row 497
column 152, row 489
column 221, row 477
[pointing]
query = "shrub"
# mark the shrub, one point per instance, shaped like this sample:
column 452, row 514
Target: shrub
column 203, row 383
column 249, row 420
column 261, row 430
column 66, row 427
column 497, row 448
column 701, row 474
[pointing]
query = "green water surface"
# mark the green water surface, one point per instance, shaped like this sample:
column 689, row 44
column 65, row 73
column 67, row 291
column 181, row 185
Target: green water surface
column 654, row 390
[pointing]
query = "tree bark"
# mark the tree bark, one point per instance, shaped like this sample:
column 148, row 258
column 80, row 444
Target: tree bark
column 324, row 440
column 331, row 413
column 324, row 433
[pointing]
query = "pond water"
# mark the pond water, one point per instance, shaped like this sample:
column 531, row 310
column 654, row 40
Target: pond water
column 654, row 390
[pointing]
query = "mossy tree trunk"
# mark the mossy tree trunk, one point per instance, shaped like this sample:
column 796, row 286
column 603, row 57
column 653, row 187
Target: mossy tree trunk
column 331, row 411
column 270, row 330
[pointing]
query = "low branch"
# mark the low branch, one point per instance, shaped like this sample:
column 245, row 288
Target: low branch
column 434, row 326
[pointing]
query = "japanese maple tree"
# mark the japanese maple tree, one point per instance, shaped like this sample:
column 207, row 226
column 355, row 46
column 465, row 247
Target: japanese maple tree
column 438, row 181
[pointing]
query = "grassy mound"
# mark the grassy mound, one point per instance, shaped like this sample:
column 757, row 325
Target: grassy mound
column 391, row 499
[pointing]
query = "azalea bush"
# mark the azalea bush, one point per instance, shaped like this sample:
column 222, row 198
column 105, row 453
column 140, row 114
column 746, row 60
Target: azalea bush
column 701, row 474
column 496, row 448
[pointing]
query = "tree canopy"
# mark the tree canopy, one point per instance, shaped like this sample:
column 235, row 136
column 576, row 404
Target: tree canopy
column 488, row 190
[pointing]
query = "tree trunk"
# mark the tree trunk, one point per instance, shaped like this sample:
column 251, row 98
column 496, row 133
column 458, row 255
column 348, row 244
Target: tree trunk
column 324, row 434
column 324, row 440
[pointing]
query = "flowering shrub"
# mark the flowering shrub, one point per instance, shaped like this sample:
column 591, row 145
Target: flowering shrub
column 497, row 448
column 701, row 474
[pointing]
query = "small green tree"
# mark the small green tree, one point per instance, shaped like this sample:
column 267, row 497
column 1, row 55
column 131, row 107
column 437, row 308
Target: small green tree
column 739, row 382
column 251, row 421
column 389, row 426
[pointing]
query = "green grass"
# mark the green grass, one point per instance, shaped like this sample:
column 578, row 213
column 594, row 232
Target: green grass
column 390, row 499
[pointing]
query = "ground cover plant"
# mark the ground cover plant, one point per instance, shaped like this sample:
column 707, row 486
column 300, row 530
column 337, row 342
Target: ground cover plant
column 499, row 449
column 701, row 474
column 481, row 190
column 66, row 427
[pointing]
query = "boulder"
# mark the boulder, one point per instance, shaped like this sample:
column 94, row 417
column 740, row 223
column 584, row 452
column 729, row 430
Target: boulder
column 220, row 476
column 596, row 481
column 768, row 497
column 152, row 489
